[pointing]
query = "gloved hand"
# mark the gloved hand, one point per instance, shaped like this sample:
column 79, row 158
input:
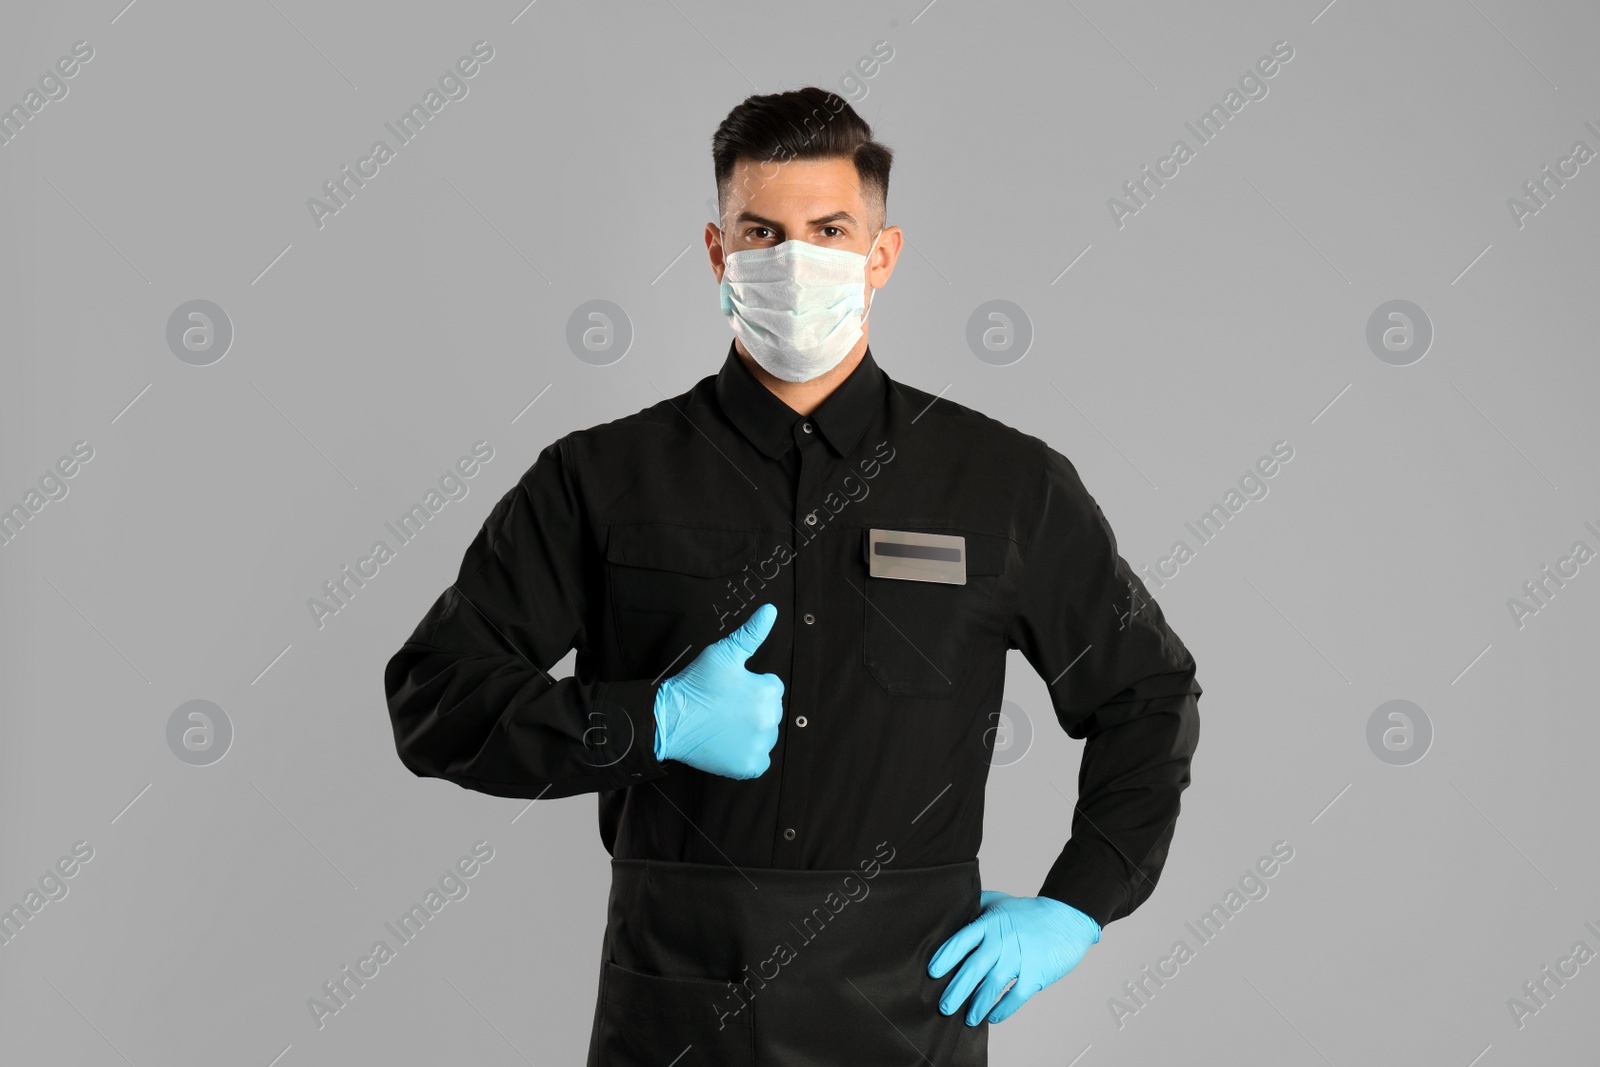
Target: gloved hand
column 1035, row 940
column 717, row 716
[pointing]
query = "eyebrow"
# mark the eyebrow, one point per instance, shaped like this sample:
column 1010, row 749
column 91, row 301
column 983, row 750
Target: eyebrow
column 837, row 216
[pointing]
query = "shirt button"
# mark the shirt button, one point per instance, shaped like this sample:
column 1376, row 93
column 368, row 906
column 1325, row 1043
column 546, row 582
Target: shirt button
column 799, row 720
column 811, row 519
column 810, row 618
column 806, row 426
column 788, row 835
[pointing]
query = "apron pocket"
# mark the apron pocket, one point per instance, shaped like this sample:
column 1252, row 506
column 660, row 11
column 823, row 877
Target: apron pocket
column 651, row 1020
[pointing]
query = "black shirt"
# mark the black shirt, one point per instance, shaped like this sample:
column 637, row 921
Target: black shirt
column 641, row 540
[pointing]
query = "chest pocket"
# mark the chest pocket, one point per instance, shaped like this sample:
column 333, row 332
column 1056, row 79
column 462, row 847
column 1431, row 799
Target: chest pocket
column 920, row 638
column 669, row 589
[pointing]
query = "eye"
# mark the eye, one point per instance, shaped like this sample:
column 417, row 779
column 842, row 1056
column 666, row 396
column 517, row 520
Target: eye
column 750, row 234
column 835, row 229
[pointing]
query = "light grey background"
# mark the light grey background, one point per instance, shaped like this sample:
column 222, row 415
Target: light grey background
column 1229, row 314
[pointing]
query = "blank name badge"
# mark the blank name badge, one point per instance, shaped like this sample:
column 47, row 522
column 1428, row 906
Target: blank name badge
column 917, row 557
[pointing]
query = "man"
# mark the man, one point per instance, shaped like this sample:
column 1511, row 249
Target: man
column 791, row 590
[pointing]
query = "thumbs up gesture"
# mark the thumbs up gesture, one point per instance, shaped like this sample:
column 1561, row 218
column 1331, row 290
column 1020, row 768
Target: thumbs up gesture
column 716, row 715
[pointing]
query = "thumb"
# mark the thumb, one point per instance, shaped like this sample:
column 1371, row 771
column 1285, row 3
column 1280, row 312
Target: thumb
column 747, row 638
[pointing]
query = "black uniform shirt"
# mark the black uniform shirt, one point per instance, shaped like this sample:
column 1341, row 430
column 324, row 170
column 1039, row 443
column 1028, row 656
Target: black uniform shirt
column 641, row 540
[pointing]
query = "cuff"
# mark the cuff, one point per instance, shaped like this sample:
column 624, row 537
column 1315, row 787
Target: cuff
column 627, row 746
column 1092, row 890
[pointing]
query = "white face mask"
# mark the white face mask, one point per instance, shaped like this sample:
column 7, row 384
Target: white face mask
column 796, row 306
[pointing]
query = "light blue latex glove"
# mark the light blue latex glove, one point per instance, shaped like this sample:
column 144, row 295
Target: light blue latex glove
column 1035, row 940
column 717, row 716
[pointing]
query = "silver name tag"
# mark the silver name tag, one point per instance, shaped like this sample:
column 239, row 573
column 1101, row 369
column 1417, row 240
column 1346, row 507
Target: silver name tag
column 918, row 557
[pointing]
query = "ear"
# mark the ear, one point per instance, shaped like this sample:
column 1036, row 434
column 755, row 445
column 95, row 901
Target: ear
column 883, row 257
column 714, row 251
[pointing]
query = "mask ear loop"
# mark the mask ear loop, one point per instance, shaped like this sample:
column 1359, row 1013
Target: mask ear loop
column 872, row 292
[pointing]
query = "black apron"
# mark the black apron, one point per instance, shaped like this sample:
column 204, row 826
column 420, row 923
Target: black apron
column 712, row 966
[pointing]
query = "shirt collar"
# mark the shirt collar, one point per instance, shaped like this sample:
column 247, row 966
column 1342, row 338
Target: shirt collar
column 768, row 422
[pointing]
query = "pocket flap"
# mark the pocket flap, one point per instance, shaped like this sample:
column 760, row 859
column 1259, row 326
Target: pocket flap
column 706, row 553
column 986, row 553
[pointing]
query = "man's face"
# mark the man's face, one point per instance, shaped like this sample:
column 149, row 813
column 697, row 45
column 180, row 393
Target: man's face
column 814, row 200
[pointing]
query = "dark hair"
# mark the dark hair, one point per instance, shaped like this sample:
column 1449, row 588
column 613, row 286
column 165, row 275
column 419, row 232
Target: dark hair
column 807, row 123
